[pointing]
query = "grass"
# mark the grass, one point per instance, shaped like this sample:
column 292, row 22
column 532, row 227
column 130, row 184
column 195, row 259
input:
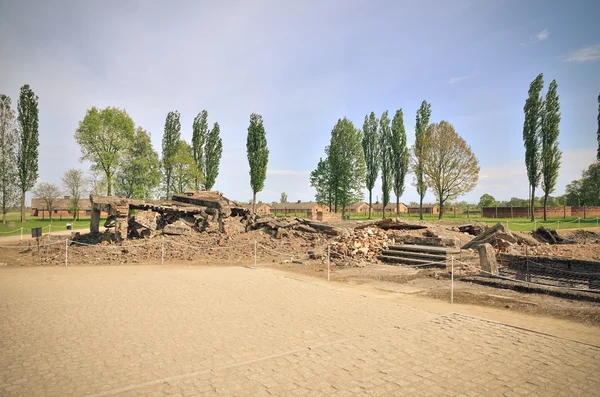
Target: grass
column 32, row 221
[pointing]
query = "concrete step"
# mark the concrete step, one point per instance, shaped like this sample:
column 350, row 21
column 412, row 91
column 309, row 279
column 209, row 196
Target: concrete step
column 421, row 263
column 424, row 248
column 415, row 254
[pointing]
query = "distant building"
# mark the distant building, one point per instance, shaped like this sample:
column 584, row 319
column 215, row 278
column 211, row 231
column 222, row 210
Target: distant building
column 309, row 209
column 430, row 209
column 61, row 207
column 261, row 209
column 390, row 208
column 358, row 208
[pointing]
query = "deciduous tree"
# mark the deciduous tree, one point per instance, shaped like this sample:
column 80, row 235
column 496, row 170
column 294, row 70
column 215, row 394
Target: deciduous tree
column 320, row 179
column 27, row 142
column 258, row 155
column 170, row 146
column 212, row 155
column 9, row 190
column 49, row 193
column 533, row 110
column 418, row 150
column 284, row 198
column 450, row 167
column 399, row 156
column 199, row 136
column 386, row 155
column 74, row 185
column 104, row 137
column 139, row 174
column 550, row 154
column 346, row 164
column 486, row 200
column 184, row 171
column 370, row 145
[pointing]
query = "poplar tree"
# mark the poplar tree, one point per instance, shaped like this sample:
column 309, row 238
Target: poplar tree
column 386, row 155
column 170, row 146
column 199, row 136
column 399, row 156
column 550, row 154
column 212, row 156
column 28, row 142
column 370, row 145
column 8, row 160
column 258, row 155
column 533, row 110
column 598, row 132
column 418, row 152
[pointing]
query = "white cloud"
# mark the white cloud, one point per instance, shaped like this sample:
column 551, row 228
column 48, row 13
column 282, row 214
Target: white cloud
column 535, row 38
column 585, row 54
column 461, row 78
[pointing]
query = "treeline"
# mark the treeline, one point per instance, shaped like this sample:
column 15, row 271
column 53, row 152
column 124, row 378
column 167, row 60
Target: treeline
column 440, row 159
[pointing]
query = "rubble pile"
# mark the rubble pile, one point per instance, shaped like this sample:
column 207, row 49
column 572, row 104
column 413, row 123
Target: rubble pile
column 549, row 236
column 500, row 238
column 360, row 246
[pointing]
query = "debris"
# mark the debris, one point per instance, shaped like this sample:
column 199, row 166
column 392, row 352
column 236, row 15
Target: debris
column 487, row 259
column 472, row 229
column 499, row 233
column 391, row 223
column 177, row 228
column 549, row 236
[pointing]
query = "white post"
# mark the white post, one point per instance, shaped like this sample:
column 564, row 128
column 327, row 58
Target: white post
column 596, row 222
column 452, row 280
column 255, row 249
column 21, row 232
column 506, row 225
column 49, row 228
column 162, row 251
column 328, row 265
column 534, row 223
column 66, row 251
column 558, row 225
column 578, row 222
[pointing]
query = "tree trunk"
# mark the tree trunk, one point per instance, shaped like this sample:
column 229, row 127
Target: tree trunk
column 370, row 201
column 545, row 203
column 4, row 217
column 420, row 207
column 532, row 203
column 397, row 206
column 441, row 210
column 253, row 201
column 109, row 186
column 22, row 205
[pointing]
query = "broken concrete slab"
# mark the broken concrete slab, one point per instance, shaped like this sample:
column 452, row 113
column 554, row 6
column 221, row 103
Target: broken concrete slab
column 487, row 259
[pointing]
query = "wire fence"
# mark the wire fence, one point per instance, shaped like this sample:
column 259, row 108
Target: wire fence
column 587, row 222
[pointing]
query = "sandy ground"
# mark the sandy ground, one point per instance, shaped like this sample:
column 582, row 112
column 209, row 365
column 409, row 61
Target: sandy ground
column 201, row 330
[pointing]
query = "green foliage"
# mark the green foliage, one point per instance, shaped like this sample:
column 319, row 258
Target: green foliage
column 486, row 201
column 370, row 145
column 418, row 150
column 346, row 164
column 199, row 137
column 450, row 167
column 387, row 157
column 533, row 109
column 104, row 136
column 258, row 155
column 212, row 156
column 184, row 170
column 550, row 154
column 8, row 157
column 139, row 173
column 284, row 198
column 28, row 142
column 399, row 156
column 170, row 147
column 585, row 191
column 320, row 179
column 74, row 185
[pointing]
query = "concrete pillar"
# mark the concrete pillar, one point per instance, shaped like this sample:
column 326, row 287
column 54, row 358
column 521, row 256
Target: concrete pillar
column 487, row 259
column 95, row 221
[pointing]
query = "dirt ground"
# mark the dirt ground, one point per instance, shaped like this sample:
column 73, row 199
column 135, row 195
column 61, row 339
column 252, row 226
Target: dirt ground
column 292, row 255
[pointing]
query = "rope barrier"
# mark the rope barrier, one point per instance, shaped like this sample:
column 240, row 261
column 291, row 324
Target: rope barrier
column 29, row 246
column 115, row 246
column 208, row 248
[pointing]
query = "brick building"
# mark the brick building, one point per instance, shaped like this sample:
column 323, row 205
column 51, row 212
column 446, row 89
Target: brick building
column 261, row 209
column 61, row 208
column 553, row 212
column 429, row 209
column 358, row 208
column 309, row 209
column 389, row 209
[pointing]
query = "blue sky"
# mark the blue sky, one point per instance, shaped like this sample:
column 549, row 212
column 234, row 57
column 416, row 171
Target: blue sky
column 303, row 65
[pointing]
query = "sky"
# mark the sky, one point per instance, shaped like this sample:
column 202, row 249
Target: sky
column 303, row 65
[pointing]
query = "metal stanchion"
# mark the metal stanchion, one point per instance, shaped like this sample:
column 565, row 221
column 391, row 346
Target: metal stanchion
column 452, row 280
column 255, row 249
column 579, row 222
column 66, row 251
column 162, row 249
column 328, row 264
column 21, row 232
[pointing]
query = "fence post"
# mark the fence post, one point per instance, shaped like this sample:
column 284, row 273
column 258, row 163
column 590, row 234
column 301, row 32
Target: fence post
column 49, row 228
column 328, row 265
column 596, row 221
column 162, row 251
column 255, row 249
column 558, row 224
column 66, row 251
column 21, row 232
column 452, row 280
column 534, row 223
column 579, row 222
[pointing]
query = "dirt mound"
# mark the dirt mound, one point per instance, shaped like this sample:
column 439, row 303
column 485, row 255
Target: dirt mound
column 584, row 236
